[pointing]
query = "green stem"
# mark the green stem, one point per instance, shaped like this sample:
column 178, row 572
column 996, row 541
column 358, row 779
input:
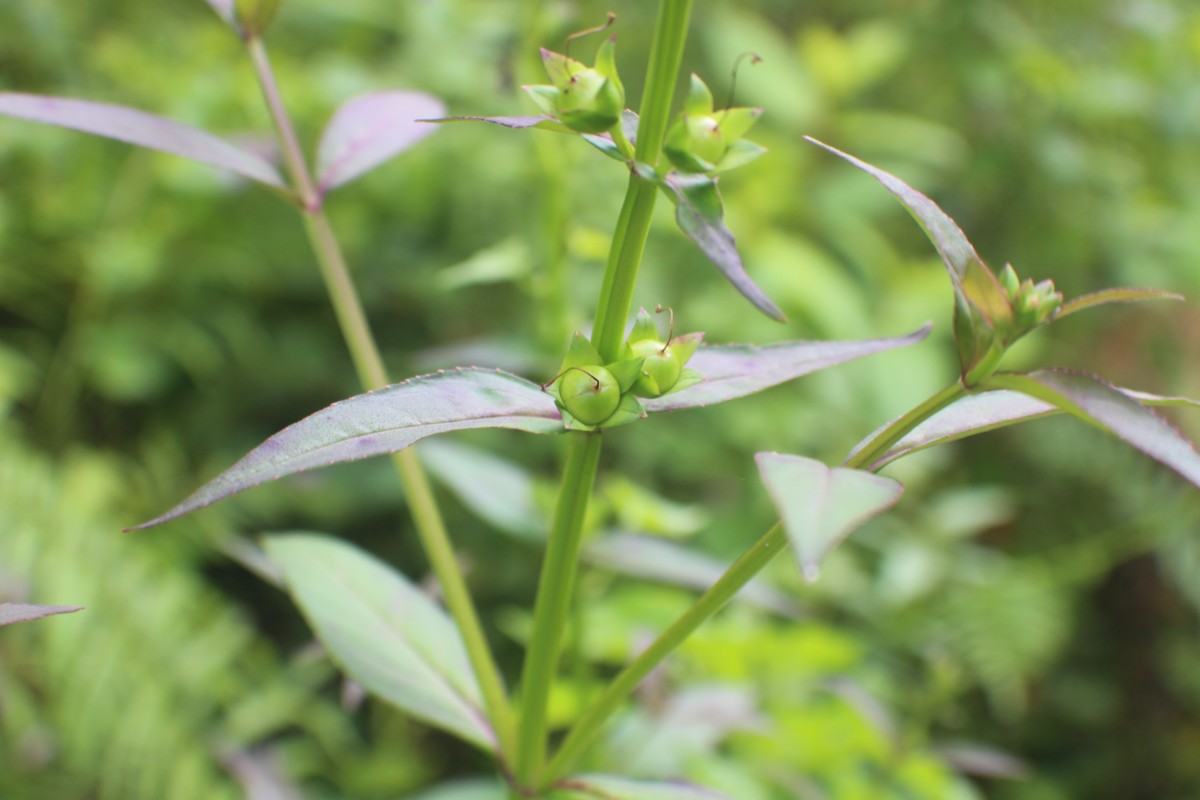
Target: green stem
column 369, row 365
column 633, row 225
column 625, row 256
column 866, row 455
column 750, row 564
column 709, row 603
column 553, row 602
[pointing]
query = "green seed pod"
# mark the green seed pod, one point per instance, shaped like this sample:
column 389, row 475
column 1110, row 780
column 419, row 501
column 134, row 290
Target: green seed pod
column 585, row 99
column 591, row 394
column 660, row 368
column 705, row 141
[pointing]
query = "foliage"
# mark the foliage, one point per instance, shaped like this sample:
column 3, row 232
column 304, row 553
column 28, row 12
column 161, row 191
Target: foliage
column 944, row 601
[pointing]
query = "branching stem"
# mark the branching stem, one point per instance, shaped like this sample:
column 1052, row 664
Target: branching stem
column 369, row 364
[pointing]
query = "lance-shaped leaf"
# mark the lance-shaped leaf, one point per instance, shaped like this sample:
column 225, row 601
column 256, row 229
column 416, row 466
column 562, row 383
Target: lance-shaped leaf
column 142, row 129
column 1101, row 404
column 368, row 130
column 731, row 371
column 24, row 612
column 607, row 787
column 542, row 122
column 987, row 411
column 1107, row 296
column 385, row 421
column 820, row 506
column 384, row 633
column 980, row 303
column 701, row 217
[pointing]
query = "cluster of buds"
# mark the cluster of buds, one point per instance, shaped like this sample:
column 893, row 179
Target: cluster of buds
column 1033, row 304
column 593, row 394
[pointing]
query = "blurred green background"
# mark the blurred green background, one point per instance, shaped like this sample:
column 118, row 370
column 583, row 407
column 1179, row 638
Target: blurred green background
column 1023, row 625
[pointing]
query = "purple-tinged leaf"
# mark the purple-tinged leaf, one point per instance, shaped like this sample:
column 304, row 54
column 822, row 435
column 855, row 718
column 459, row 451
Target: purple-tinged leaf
column 980, row 302
column 655, row 559
column 1106, row 296
column 385, row 634
column 542, row 122
column 819, row 505
column 384, row 421
column 225, row 10
column 1103, row 405
column 139, row 128
column 701, row 217
column 607, row 787
column 987, row 411
column 731, row 371
column 368, row 130
column 24, row 612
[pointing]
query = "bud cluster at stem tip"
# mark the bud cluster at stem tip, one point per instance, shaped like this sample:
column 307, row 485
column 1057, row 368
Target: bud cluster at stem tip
column 1033, row 304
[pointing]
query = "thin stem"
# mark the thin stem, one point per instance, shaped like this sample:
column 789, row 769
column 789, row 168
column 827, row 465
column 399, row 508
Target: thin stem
column 369, row 364
column 709, row 603
column 555, row 586
column 866, row 455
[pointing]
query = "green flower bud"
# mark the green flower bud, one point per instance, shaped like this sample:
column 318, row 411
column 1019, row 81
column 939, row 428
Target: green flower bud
column 1032, row 304
column 703, row 140
column 590, row 393
column 585, row 99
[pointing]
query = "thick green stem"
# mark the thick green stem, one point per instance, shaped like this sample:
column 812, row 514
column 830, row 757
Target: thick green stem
column 554, row 601
column 709, row 603
column 625, row 256
column 633, row 226
column 369, row 365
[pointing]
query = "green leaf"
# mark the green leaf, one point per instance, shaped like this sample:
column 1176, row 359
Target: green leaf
column 383, row 632
column 368, row 130
column 1106, row 296
column 139, row 128
column 606, row 787
column 1104, row 406
column 820, row 506
column 384, row 421
column 700, row 216
column 730, row 371
column 544, row 122
column 25, row 612
column 980, row 302
column 987, row 411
